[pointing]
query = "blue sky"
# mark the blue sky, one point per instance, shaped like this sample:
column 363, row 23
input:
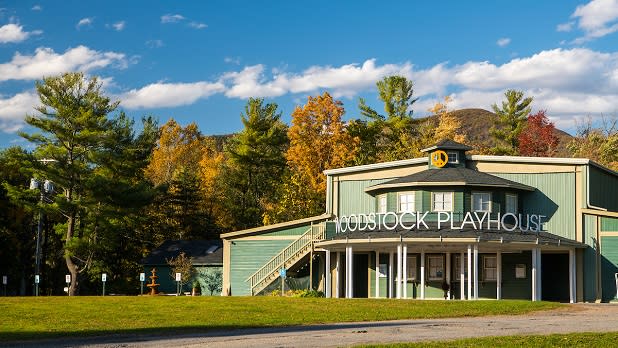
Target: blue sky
column 200, row 61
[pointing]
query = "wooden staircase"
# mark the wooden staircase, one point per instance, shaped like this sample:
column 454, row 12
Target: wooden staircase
column 288, row 257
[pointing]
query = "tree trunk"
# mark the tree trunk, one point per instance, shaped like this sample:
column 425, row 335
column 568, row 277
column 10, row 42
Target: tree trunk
column 71, row 266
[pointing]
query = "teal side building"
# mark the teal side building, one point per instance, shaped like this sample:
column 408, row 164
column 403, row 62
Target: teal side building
column 445, row 226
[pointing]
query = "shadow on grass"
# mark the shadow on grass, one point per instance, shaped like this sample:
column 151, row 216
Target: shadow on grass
column 42, row 339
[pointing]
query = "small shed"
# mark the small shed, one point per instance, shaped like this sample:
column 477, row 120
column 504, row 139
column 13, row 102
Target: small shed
column 207, row 259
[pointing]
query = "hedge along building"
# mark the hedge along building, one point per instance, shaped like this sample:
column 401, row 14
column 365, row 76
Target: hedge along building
column 467, row 227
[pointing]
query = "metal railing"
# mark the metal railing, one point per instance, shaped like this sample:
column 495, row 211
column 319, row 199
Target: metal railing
column 287, row 257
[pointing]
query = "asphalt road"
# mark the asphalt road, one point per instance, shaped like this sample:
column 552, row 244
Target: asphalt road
column 573, row 318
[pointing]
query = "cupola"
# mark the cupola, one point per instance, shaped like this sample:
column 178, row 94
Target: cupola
column 447, row 154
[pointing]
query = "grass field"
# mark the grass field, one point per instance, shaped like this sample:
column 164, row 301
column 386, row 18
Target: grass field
column 587, row 339
column 46, row 317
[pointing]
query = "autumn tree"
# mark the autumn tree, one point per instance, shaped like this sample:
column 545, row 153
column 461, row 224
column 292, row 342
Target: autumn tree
column 177, row 148
column 319, row 141
column 390, row 136
column 448, row 125
column 599, row 143
column 511, row 120
column 538, row 138
column 256, row 163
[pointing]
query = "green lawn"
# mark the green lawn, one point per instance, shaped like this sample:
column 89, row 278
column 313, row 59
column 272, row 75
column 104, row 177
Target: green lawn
column 587, row 339
column 45, row 317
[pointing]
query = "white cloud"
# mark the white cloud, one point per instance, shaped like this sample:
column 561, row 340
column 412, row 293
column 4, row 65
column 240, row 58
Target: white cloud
column 565, row 26
column 14, row 109
column 597, row 18
column 346, row 80
column 14, row 33
column 45, row 62
column 197, row 25
column 37, row 8
column 154, row 43
column 84, row 22
column 503, row 41
column 171, row 18
column 232, row 60
column 161, row 94
column 119, row 26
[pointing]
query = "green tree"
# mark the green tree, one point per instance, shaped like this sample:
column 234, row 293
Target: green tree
column 512, row 118
column 256, row 163
column 93, row 173
column 390, row 136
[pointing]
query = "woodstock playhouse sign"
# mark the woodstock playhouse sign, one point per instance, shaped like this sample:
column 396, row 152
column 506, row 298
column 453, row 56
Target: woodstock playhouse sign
column 410, row 220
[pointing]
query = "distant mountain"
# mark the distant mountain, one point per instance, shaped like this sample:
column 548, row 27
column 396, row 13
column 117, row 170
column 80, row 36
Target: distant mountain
column 475, row 124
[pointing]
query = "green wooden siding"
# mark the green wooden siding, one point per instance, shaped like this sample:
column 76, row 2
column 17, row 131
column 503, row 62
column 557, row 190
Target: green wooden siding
column 354, row 200
column 609, row 266
column 247, row 256
column 609, row 224
column 554, row 198
column 603, row 189
column 294, row 231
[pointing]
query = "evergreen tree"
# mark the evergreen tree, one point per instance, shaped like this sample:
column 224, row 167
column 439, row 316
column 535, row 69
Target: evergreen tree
column 512, row 117
column 256, row 163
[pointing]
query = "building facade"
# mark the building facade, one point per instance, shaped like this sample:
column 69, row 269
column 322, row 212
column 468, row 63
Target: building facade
column 448, row 225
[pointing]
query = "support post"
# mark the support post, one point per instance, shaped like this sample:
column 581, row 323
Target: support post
column 327, row 275
column 534, row 275
column 398, row 279
column 499, row 275
column 405, row 271
column 462, row 276
column 476, row 271
column 390, row 274
column 377, row 274
column 337, row 275
column 448, row 275
column 572, row 287
column 422, row 274
column 469, row 272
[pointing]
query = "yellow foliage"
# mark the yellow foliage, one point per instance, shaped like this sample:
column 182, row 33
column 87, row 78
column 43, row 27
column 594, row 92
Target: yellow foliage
column 319, row 140
column 448, row 125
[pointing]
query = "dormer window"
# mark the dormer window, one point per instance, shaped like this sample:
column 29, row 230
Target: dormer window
column 452, row 157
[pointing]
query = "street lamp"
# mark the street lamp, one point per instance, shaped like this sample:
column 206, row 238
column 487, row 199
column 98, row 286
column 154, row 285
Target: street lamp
column 45, row 187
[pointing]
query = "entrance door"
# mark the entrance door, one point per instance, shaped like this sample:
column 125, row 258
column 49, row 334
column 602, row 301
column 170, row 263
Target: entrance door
column 555, row 277
column 361, row 275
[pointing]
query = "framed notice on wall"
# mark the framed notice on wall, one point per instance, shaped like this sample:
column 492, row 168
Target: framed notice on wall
column 520, row 271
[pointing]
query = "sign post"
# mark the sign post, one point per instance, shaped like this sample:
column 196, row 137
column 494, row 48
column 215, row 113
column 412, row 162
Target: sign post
column 37, row 280
column 282, row 274
column 178, row 278
column 67, row 279
column 5, row 280
column 142, row 277
column 104, row 279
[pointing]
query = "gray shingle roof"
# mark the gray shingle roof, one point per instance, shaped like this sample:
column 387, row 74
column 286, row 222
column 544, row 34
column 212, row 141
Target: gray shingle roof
column 203, row 252
column 450, row 177
column 448, row 144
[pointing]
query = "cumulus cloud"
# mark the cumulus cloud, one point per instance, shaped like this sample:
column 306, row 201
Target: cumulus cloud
column 37, row 8
column 197, row 25
column 15, row 33
column 565, row 26
column 45, row 62
column 171, row 18
column 161, row 94
column 597, row 18
column 84, row 22
column 118, row 26
column 503, row 41
column 14, row 109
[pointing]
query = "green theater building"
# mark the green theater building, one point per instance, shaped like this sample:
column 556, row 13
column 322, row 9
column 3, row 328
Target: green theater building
column 448, row 225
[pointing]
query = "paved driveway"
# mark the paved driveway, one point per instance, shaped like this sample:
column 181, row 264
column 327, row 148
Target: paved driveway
column 573, row 318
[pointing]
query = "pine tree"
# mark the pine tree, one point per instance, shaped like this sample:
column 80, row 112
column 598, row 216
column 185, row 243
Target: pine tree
column 511, row 120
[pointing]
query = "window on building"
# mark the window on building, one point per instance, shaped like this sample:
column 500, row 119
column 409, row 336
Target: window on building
column 442, row 201
column 481, row 201
column 411, row 263
column 382, row 204
column 457, row 267
column 490, row 271
column 436, row 267
column 406, row 201
column 511, row 203
column 452, row 157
